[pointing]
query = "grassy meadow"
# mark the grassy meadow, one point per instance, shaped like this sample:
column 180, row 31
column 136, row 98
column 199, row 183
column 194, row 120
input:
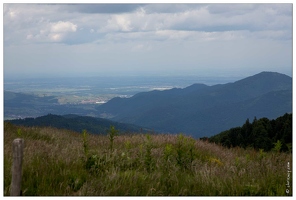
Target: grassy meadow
column 64, row 163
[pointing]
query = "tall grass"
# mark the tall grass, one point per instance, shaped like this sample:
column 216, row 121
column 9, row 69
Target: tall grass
column 60, row 162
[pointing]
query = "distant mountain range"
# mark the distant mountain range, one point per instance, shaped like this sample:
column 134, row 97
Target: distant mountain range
column 78, row 123
column 201, row 110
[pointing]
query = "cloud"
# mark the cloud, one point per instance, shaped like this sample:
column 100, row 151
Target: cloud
column 62, row 27
column 25, row 23
column 117, row 23
column 53, row 32
column 100, row 8
column 206, row 18
column 254, row 17
column 171, row 8
column 193, row 36
column 152, row 36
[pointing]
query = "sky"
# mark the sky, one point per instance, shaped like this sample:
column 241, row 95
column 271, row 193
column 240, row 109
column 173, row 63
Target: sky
column 68, row 40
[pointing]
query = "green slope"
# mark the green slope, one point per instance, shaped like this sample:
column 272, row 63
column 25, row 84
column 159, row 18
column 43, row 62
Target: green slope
column 77, row 123
column 202, row 110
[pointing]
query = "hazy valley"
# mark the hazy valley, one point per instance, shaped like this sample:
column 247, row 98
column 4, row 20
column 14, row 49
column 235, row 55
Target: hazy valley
column 199, row 110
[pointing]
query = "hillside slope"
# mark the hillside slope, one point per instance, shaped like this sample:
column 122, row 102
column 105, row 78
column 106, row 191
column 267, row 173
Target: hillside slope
column 259, row 134
column 77, row 123
column 65, row 163
column 202, row 110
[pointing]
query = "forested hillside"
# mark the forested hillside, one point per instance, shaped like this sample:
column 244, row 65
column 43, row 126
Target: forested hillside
column 77, row 123
column 201, row 110
column 259, row 134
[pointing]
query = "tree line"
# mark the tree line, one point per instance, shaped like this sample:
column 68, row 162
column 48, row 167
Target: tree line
column 260, row 134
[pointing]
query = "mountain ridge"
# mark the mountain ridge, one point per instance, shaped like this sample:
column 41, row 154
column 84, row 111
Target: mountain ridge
column 77, row 123
column 188, row 110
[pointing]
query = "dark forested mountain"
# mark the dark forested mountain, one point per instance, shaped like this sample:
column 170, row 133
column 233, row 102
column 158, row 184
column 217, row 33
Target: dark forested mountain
column 202, row 110
column 259, row 134
column 77, row 123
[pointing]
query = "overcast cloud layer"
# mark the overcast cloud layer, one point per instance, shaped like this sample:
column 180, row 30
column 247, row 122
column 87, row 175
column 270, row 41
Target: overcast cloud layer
column 99, row 39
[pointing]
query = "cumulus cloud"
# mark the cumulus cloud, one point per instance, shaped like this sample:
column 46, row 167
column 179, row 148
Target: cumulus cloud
column 53, row 32
column 204, row 18
column 158, row 34
column 34, row 23
column 46, row 22
column 62, row 27
column 117, row 23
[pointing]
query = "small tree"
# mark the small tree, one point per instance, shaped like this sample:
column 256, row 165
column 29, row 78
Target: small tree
column 112, row 132
column 148, row 154
column 19, row 132
column 277, row 146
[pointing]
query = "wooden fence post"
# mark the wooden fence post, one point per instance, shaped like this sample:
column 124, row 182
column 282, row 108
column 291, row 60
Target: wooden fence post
column 17, row 148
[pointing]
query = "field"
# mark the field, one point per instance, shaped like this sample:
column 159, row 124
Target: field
column 60, row 162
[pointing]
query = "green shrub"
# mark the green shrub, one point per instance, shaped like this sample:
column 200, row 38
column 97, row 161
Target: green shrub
column 277, row 146
column 185, row 151
column 112, row 133
column 148, row 159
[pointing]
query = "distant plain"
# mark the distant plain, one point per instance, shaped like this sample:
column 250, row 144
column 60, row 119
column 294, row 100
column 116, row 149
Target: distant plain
column 91, row 90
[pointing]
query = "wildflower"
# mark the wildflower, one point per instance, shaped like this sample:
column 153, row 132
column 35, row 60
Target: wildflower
column 217, row 161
